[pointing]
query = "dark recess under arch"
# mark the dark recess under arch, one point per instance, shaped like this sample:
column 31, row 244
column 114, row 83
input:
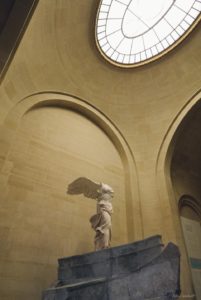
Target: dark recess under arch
column 14, row 17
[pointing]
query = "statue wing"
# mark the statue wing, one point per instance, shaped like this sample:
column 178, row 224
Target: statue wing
column 84, row 186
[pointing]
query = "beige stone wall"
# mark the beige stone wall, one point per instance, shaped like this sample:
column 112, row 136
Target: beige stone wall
column 58, row 53
column 53, row 146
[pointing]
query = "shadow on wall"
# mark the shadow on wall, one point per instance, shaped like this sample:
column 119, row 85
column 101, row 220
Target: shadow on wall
column 14, row 17
column 5, row 9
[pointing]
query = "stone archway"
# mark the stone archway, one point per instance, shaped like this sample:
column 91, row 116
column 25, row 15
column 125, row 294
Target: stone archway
column 166, row 191
column 18, row 119
column 12, row 121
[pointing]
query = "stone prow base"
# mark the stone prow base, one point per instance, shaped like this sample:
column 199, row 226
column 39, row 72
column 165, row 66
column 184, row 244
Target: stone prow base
column 140, row 270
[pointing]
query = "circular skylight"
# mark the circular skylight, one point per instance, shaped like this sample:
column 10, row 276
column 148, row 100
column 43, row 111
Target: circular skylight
column 133, row 32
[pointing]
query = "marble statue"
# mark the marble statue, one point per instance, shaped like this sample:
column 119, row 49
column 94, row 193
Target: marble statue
column 101, row 221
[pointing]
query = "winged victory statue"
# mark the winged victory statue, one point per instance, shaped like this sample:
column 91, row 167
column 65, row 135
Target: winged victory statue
column 101, row 222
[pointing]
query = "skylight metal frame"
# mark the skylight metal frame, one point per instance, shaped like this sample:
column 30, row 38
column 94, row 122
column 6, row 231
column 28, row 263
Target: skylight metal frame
column 165, row 45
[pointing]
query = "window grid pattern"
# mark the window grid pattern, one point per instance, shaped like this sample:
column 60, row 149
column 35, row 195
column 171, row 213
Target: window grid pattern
column 126, row 38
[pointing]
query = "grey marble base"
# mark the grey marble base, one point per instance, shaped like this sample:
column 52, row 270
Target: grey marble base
column 140, row 271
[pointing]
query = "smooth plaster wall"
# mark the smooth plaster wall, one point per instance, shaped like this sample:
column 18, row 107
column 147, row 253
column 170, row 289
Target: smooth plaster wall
column 58, row 53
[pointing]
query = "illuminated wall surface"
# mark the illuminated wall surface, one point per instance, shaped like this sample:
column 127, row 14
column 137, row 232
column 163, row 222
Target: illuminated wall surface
column 68, row 112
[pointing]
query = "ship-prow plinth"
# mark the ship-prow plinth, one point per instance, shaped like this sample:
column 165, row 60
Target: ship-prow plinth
column 137, row 271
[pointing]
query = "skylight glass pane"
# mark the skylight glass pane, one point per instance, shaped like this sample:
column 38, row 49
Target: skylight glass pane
column 137, row 58
column 110, row 52
column 132, row 26
column 143, row 55
column 165, row 44
column 106, row 47
column 125, row 46
column 194, row 13
column 113, row 26
column 184, row 25
column 115, row 39
column 102, row 15
column 138, row 45
column 126, row 2
column 107, row 2
column 175, row 16
column 150, row 39
column 185, row 4
column 102, row 42
column 189, row 19
column 120, row 58
column 148, row 53
column 197, row 5
column 132, row 59
column 100, row 29
column 154, row 50
column 180, row 30
column 175, row 35
column 126, row 59
column 162, row 29
column 114, row 56
column 150, row 11
column 101, row 22
column 170, row 40
column 131, row 31
column 117, row 10
column 101, row 35
column 105, row 8
column 159, row 47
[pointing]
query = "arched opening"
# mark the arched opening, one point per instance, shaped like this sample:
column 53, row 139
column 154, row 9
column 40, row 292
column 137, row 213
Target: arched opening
column 185, row 172
column 176, row 177
column 190, row 214
column 51, row 139
column 186, row 155
column 54, row 146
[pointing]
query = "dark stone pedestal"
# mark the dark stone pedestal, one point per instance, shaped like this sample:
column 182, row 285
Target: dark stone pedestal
column 141, row 270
